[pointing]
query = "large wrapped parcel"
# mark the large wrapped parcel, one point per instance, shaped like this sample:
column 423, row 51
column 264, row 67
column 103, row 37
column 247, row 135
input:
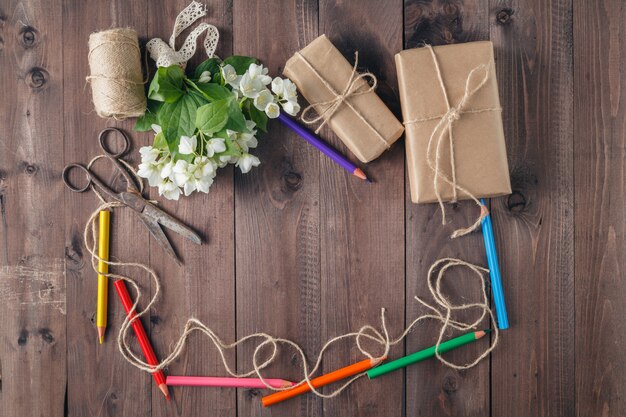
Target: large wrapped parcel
column 453, row 122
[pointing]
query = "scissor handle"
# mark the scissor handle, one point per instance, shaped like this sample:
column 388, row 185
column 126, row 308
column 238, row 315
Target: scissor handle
column 69, row 184
column 105, row 149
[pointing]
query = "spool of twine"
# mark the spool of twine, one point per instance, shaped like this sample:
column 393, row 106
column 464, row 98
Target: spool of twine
column 116, row 79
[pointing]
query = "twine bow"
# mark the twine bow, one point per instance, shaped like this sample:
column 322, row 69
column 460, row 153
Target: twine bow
column 444, row 126
column 166, row 55
column 327, row 109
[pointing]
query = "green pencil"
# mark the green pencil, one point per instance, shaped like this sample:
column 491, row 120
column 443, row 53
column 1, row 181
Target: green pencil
column 425, row 354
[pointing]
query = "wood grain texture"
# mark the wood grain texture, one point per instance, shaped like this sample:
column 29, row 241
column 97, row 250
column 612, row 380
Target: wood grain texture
column 448, row 392
column 362, row 225
column 99, row 379
column 298, row 248
column 600, row 175
column 277, row 214
column 534, row 226
column 32, row 279
column 204, row 287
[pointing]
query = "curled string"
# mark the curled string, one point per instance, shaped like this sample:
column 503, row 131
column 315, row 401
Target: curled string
column 327, row 109
column 443, row 127
column 442, row 311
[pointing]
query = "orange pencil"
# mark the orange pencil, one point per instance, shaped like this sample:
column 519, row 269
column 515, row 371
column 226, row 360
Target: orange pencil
column 320, row 381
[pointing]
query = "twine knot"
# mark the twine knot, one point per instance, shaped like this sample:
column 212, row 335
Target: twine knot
column 443, row 128
column 327, row 109
column 452, row 115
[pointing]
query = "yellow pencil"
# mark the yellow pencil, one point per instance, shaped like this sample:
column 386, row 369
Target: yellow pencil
column 103, row 282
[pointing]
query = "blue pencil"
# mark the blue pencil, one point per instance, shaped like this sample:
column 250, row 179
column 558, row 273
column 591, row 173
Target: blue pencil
column 494, row 272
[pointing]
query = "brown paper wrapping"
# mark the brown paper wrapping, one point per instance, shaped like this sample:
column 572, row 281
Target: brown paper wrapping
column 478, row 138
column 358, row 136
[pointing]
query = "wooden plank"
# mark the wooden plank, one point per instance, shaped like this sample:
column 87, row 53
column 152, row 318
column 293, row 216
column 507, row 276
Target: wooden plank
column 533, row 368
column 32, row 279
column 447, row 391
column 277, row 214
column 599, row 161
column 100, row 381
column 204, row 287
column 361, row 235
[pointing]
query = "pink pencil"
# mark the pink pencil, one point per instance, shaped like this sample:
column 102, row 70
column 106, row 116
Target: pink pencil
column 213, row 381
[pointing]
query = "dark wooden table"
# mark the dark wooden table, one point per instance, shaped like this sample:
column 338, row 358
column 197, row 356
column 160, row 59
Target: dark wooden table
column 301, row 250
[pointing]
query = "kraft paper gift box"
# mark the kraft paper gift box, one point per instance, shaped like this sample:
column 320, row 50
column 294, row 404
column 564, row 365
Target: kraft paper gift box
column 362, row 122
column 475, row 131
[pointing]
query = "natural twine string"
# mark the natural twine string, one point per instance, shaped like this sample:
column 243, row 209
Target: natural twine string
column 443, row 311
column 116, row 78
column 445, row 126
column 326, row 109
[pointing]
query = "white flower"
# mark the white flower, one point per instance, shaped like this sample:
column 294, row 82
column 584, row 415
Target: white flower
column 258, row 72
column 230, row 76
column 272, row 110
column 204, row 167
column 156, row 128
column 224, row 160
column 181, row 172
column 246, row 162
column 149, row 154
column 291, row 107
column 289, row 90
column 151, row 171
column 249, row 87
column 254, row 81
column 187, row 145
column 263, row 99
column 205, row 77
column 166, row 169
column 287, row 95
column 215, row 145
column 277, row 86
column 169, row 190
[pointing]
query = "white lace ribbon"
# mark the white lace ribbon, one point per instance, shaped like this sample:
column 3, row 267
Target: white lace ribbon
column 166, row 55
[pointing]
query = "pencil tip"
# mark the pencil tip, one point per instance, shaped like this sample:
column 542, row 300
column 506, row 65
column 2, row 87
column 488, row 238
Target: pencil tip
column 487, row 331
column 359, row 173
column 165, row 391
column 101, row 334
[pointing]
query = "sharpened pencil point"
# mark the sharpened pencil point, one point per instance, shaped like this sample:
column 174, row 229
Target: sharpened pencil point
column 359, row 173
column 487, row 331
column 101, row 334
column 165, row 391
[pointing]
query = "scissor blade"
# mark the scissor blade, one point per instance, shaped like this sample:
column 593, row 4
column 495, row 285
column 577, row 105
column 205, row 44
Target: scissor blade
column 158, row 235
column 171, row 223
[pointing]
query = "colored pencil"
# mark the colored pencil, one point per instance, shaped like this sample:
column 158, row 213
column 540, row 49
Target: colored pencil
column 425, row 354
column 320, row 381
column 142, row 337
column 103, row 268
column 212, row 381
column 324, row 147
column 494, row 272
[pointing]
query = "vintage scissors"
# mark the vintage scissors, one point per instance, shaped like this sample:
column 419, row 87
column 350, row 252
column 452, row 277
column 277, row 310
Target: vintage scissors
column 151, row 216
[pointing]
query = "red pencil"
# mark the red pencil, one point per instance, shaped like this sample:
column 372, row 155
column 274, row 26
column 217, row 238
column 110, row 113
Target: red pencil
column 140, row 332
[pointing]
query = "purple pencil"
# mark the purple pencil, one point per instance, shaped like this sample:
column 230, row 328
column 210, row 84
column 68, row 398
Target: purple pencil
column 324, row 147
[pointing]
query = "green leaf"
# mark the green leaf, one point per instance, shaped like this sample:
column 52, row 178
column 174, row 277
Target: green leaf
column 145, row 122
column 167, row 84
column 231, row 148
column 259, row 117
column 178, row 119
column 212, row 117
column 236, row 119
column 215, row 91
column 160, row 142
column 240, row 63
column 212, row 65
